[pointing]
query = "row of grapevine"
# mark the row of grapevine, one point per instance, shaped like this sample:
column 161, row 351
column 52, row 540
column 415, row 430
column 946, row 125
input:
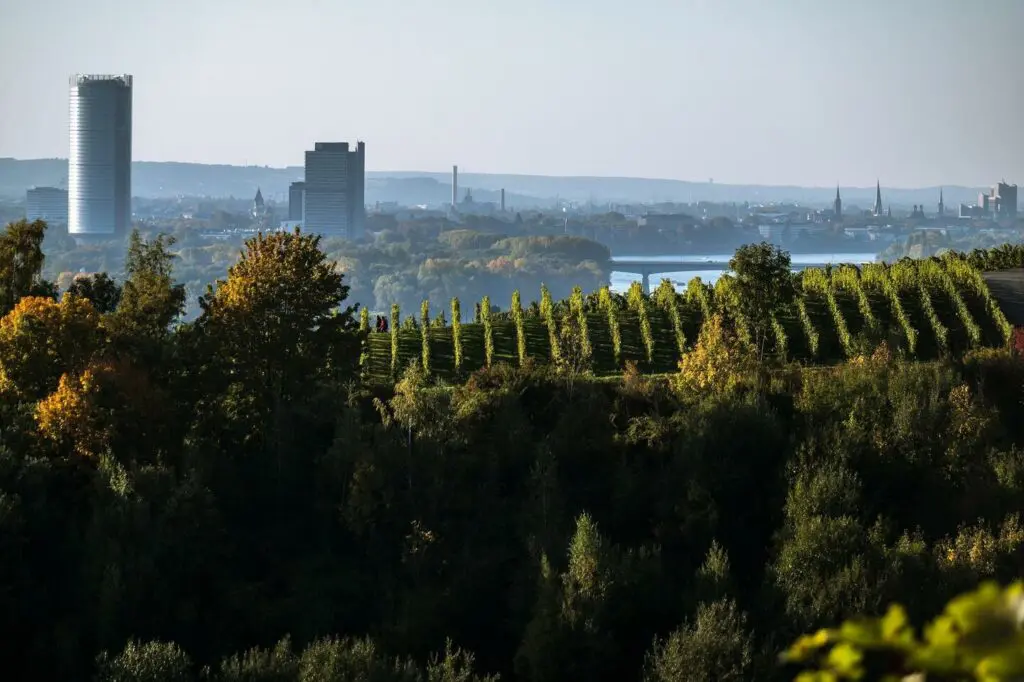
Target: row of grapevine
column 517, row 318
column 638, row 303
column 813, row 340
column 665, row 296
column 698, row 295
column 485, row 317
column 728, row 298
column 577, row 309
column 815, row 279
column 547, row 311
column 966, row 276
column 848, row 278
column 457, row 334
column 907, row 279
column 364, row 330
column 396, row 317
column 877, row 275
column 612, row 310
column 935, row 276
column 781, row 340
column 425, row 334
column 926, row 284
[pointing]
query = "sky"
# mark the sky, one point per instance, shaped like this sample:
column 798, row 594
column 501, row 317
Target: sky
column 806, row 92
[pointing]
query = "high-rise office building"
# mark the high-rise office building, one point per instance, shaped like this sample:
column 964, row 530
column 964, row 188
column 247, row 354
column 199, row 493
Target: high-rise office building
column 296, row 191
column 1005, row 199
column 100, row 162
column 334, row 193
column 47, row 203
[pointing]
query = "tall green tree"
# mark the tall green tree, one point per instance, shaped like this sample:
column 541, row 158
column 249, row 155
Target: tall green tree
column 764, row 286
column 277, row 319
column 21, row 263
column 150, row 300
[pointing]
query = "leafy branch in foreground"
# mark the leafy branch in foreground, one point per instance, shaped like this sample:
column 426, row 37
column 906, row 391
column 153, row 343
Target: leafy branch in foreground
column 977, row 637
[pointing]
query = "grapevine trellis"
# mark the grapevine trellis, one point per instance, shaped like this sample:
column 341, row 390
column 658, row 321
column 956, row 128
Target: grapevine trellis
column 928, row 308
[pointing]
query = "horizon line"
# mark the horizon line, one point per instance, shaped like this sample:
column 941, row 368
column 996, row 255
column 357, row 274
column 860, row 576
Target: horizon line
column 542, row 175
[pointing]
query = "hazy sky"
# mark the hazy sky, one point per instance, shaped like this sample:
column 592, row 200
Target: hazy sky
column 916, row 92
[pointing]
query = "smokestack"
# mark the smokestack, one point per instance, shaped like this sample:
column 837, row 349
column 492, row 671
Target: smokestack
column 502, row 199
column 455, row 186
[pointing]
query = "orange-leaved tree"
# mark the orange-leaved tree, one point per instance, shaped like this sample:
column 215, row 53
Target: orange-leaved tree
column 41, row 339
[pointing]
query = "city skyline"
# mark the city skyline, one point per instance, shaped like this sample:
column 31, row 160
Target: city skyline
column 782, row 93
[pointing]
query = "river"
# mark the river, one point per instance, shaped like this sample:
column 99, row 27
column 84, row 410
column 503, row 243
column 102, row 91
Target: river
column 620, row 281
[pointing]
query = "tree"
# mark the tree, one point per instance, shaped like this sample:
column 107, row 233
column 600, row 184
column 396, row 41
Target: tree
column 716, row 647
column 715, row 364
column 150, row 301
column 146, row 662
column 99, row 289
column 276, row 323
column 41, row 339
column 764, row 286
column 21, row 262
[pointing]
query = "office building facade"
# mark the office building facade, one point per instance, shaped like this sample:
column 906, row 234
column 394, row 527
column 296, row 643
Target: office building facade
column 334, row 192
column 296, row 192
column 47, row 203
column 100, row 159
column 1004, row 199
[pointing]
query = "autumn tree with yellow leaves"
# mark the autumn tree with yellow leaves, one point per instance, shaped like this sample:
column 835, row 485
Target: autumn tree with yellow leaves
column 41, row 339
column 716, row 363
column 275, row 328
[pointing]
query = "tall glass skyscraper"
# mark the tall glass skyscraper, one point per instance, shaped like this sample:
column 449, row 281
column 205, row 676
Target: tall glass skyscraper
column 100, row 161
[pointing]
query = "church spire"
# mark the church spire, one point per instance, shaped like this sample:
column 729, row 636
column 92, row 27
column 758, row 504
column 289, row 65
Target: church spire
column 838, row 205
column 878, row 197
column 942, row 205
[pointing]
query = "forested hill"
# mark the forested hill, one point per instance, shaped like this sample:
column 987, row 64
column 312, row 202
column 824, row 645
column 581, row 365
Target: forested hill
column 169, row 179
column 232, row 500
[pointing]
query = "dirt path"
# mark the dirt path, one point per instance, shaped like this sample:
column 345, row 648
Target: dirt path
column 1007, row 286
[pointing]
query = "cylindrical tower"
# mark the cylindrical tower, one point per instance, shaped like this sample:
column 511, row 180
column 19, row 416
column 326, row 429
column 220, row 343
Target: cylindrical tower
column 100, row 161
column 455, row 186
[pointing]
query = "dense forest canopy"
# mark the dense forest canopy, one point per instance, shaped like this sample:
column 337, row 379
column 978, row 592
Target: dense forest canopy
column 247, row 496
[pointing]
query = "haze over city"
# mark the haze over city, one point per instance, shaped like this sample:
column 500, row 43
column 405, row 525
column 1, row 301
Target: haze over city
column 921, row 93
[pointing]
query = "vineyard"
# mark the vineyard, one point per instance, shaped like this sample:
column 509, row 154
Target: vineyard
column 926, row 309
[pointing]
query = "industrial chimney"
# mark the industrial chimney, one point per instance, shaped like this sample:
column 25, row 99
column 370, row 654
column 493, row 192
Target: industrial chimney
column 455, row 186
column 502, row 199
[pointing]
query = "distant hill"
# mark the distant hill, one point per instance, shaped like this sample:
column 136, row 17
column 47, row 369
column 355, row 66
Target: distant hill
column 168, row 179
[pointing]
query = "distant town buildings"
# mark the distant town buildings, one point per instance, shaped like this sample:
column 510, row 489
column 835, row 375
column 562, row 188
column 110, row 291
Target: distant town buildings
column 47, row 203
column 296, row 193
column 334, row 192
column 99, row 164
column 1000, row 202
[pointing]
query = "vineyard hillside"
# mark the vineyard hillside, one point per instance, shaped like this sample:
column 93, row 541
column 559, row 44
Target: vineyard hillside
column 923, row 309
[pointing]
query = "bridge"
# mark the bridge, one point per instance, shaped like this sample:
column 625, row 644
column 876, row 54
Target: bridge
column 645, row 267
